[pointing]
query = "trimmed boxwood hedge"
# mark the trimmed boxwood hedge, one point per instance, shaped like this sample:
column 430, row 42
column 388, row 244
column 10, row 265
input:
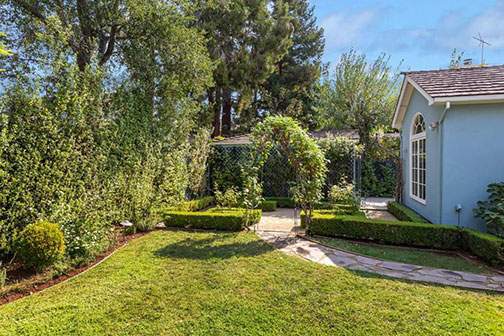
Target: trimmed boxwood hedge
column 215, row 219
column 268, row 206
column 488, row 247
column 404, row 213
column 197, row 204
column 282, row 202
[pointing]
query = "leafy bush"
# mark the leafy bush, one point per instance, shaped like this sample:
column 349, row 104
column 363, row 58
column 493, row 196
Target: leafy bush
column 215, row 219
column 404, row 213
column 197, row 204
column 488, row 247
column 40, row 245
column 268, row 206
column 492, row 211
column 344, row 193
column 228, row 198
column 282, row 202
column 146, row 224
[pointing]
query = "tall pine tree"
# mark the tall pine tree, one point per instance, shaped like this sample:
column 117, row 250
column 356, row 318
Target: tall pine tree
column 246, row 39
column 293, row 88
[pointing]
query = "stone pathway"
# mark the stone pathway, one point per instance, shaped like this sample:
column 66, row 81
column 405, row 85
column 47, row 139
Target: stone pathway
column 291, row 244
column 374, row 203
column 380, row 214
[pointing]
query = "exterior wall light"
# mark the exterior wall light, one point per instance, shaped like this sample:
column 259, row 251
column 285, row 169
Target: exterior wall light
column 434, row 125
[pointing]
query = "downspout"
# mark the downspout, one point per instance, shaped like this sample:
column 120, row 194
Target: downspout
column 441, row 144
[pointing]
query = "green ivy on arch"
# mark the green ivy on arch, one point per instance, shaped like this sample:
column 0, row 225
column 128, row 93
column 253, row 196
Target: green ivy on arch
column 302, row 152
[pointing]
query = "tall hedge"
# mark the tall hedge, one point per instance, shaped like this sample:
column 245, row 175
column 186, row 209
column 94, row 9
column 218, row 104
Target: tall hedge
column 85, row 159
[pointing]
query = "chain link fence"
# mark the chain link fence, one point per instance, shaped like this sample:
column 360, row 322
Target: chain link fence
column 277, row 175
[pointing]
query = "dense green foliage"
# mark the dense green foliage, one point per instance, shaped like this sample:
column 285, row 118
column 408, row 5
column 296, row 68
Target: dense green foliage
column 40, row 245
column 83, row 144
column 201, row 149
column 293, row 89
column 213, row 219
column 302, row 153
column 245, row 39
column 196, row 204
column 187, row 283
column 404, row 213
column 361, row 95
column 267, row 206
column 344, row 193
column 492, row 211
column 282, row 202
column 488, row 247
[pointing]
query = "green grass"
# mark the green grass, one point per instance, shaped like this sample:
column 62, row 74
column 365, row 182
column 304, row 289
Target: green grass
column 183, row 283
column 410, row 256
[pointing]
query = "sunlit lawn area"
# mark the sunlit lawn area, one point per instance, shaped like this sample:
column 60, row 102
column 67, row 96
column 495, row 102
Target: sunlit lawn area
column 181, row 283
column 409, row 255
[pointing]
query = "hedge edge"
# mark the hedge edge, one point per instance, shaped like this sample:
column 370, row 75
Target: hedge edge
column 485, row 246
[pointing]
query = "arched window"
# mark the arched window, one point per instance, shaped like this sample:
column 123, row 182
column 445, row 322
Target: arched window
column 417, row 159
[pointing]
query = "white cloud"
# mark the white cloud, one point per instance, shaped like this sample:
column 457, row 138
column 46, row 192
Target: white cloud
column 454, row 32
column 344, row 30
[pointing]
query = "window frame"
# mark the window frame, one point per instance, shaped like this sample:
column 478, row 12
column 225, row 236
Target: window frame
column 417, row 138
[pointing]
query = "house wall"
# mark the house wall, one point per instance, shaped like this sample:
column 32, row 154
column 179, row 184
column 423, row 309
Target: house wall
column 430, row 210
column 473, row 157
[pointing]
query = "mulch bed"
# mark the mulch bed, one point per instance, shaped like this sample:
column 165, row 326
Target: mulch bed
column 18, row 273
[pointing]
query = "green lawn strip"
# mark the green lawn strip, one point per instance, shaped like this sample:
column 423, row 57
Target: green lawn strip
column 409, row 255
column 182, row 283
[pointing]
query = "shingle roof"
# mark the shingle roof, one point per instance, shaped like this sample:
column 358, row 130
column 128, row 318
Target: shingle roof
column 244, row 139
column 464, row 81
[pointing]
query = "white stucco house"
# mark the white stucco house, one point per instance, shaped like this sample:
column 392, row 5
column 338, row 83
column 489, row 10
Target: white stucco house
column 452, row 141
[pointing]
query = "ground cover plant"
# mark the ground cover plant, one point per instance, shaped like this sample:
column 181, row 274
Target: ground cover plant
column 409, row 255
column 181, row 283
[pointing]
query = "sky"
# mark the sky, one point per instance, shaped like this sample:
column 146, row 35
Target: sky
column 421, row 34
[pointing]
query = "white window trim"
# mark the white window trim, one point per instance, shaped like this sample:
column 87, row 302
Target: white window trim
column 413, row 138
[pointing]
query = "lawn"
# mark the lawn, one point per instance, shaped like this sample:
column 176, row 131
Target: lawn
column 180, row 283
column 410, row 255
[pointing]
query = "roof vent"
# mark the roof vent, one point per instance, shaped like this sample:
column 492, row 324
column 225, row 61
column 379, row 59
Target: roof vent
column 468, row 61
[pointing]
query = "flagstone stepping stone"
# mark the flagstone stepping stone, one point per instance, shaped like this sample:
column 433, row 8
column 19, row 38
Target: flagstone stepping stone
column 298, row 246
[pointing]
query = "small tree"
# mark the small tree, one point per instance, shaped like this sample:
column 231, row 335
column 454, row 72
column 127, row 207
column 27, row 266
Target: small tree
column 303, row 154
column 361, row 94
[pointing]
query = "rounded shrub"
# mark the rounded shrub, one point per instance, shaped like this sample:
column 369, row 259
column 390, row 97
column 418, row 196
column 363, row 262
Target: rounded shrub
column 40, row 245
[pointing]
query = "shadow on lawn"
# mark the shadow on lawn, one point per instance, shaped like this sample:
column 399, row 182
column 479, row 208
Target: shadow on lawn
column 214, row 247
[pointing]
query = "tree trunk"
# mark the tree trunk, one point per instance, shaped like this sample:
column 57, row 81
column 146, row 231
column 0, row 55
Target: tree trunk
column 226, row 111
column 216, row 107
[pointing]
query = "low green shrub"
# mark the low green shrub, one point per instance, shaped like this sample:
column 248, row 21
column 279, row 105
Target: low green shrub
column 215, row 219
column 197, row 204
column 282, row 202
column 488, row 247
column 40, row 245
column 146, row 224
column 404, row 213
column 484, row 245
column 268, row 206
column 344, row 193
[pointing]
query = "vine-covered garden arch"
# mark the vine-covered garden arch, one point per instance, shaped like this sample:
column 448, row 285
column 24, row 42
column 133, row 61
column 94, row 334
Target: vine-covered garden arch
column 302, row 152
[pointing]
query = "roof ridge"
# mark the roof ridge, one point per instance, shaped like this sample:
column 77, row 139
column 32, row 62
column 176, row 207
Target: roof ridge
column 468, row 68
